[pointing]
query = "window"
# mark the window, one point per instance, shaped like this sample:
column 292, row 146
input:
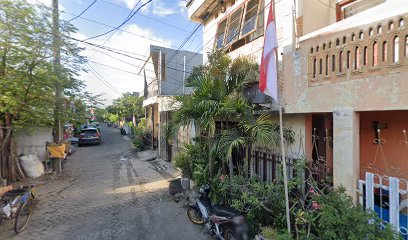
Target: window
column 251, row 12
column 379, row 29
column 348, row 59
column 390, row 25
column 333, row 63
column 365, row 57
column 406, row 46
column 357, row 58
column 375, row 54
column 246, row 23
column 314, row 67
column 348, row 8
column 327, row 65
column 219, row 37
column 401, row 22
column 320, row 66
column 384, row 51
column 340, row 61
column 233, row 26
column 395, row 54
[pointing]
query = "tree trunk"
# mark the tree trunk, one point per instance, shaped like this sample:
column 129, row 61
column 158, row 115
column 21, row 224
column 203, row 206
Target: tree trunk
column 231, row 167
column 246, row 161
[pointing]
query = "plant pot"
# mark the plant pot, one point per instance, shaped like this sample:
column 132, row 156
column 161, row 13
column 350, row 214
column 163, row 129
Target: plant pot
column 185, row 183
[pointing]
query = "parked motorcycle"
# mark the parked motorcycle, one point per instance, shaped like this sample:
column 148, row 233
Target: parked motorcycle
column 222, row 222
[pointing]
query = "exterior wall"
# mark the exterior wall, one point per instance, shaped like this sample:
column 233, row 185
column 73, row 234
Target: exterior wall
column 346, row 165
column 295, row 122
column 310, row 20
column 393, row 161
column 171, row 82
column 354, row 89
column 368, row 88
column 283, row 25
column 33, row 141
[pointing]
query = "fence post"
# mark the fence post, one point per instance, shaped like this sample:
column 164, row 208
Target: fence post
column 369, row 191
column 394, row 202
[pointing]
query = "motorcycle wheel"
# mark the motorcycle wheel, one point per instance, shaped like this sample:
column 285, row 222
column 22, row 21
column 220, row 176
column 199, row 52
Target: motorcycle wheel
column 195, row 216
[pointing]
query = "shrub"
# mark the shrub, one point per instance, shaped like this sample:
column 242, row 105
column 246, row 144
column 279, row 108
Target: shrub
column 141, row 133
column 339, row 218
column 183, row 161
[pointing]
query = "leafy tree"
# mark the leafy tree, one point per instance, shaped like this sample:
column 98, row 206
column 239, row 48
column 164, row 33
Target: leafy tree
column 27, row 80
column 128, row 106
column 218, row 95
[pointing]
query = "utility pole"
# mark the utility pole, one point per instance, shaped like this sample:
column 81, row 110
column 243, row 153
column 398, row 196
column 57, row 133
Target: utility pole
column 57, row 69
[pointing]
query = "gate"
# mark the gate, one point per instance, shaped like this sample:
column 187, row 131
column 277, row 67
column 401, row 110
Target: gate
column 388, row 197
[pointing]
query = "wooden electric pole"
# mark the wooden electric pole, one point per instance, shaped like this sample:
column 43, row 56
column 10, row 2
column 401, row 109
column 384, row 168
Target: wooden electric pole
column 57, row 69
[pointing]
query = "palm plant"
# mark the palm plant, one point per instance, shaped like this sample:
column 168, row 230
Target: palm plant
column 218, row 95
column 261, row 131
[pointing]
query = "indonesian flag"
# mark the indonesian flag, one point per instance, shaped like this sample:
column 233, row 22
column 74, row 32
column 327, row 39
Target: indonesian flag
column 268, row 79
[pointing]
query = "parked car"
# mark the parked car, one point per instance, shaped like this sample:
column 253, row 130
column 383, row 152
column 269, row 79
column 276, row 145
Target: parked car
column 91, row 126
column 90, row 135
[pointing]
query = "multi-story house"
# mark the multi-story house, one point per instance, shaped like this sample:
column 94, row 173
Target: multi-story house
column 237, row 27
column 165, row 72
column 343, row 70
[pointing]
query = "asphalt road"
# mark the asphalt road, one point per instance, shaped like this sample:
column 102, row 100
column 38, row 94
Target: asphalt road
column 108, row 192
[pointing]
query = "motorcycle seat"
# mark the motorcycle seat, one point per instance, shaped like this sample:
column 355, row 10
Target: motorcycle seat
column 224, row 211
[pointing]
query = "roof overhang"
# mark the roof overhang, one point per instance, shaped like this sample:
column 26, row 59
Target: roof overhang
column 199, row 10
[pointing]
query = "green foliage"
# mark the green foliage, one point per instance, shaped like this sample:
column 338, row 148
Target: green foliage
column 127, row 106
column 27, row 79
column 271, row 234
column 218, row 95
column 183, row 161
column 140, row 138
column 339, row 218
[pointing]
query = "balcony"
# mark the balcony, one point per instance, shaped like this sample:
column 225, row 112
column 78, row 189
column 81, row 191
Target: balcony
column 375, row 49
column 360, row 62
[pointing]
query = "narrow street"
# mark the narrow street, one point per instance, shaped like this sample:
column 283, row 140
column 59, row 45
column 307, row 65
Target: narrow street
column 108, row 192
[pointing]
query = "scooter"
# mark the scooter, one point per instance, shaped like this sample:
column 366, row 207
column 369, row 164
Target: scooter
column 222, row 222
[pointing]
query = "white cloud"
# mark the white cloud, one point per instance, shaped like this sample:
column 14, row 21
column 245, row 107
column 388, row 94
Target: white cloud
column 122, row 81
column 47, row 3
column 157, row 7
column 182, row 5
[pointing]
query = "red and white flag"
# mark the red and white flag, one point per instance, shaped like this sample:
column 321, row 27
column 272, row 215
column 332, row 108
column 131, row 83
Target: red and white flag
column 268, row 79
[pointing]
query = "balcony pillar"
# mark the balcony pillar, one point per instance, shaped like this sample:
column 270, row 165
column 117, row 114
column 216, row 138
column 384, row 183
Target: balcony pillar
column 346, row 150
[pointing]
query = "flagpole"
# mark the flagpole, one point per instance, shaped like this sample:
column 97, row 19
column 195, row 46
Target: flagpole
column 283, row 154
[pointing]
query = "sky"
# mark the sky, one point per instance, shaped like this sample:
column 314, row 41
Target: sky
column 161, row 22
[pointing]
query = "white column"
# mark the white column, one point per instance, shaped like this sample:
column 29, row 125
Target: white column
column 346, row 150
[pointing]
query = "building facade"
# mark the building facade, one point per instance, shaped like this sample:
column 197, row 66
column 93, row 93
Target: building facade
column 165, row 72
column 343, row 75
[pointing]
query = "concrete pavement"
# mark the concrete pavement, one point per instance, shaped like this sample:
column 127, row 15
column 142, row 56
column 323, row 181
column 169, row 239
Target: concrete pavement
column 108, row 192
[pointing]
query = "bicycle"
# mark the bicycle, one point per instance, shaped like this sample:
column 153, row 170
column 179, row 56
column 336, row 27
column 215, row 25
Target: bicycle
column 17, row 204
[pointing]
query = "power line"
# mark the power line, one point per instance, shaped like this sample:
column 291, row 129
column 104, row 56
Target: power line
column 127, row 18
column 101, row 80
column 120, row 25
column 86, row 9
column 114, row 51
column 145, row 16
